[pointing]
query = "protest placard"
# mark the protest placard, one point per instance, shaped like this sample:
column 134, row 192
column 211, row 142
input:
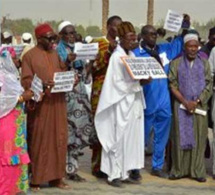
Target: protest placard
column 143, row 68
column 86, row 51
column 64, row 81
column 173, row 21
column 37, row 87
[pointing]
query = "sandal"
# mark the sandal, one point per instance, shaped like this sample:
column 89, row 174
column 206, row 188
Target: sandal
column 35, row 188
column 76, row 177
column 59, row 183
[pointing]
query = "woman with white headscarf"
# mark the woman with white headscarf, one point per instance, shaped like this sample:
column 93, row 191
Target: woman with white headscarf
column 14, row 158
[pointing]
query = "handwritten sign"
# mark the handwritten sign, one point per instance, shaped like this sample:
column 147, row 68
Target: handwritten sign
column 86, row 51
column 143, row 68
column 37, row 87
column 64, row 81
column 173, row 21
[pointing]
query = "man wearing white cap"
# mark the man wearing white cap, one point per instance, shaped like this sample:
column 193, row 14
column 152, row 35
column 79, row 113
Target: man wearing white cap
column 28, row 42
column 191, row 86
column 80, row 123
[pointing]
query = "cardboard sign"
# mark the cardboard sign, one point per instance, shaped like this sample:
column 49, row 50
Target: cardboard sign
column 143, row 68
column 86, row 51
column 64, row 81
column 173, row 21
column 37, row 87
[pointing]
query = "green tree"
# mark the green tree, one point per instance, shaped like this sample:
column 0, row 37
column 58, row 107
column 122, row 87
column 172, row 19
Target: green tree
column 93, row 31
column 80, row 29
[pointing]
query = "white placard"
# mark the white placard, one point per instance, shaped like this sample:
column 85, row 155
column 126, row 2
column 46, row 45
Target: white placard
column 37, row 87
column 64, row 81
column 197, row 110
column 173, row 21
column 143, row 68
column 86, row 51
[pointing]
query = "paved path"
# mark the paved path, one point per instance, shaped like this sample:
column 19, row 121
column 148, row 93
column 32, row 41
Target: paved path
column 150, row 185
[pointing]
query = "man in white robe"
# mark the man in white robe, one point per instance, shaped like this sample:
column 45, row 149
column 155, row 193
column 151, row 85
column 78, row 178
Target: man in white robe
column 119, row 116
column 212, row 66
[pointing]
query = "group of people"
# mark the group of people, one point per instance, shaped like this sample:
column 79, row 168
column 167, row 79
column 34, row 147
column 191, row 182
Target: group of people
column 107, row 110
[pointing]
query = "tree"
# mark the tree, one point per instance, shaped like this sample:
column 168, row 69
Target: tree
column 150, row 12
column 105, row 13
column 81, row 30
column 93, row 31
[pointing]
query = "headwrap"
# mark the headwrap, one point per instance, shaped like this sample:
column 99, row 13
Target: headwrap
column 63, row 25
column 125, row 27
column 42, row 29
column 212, row 31
column 190, row 37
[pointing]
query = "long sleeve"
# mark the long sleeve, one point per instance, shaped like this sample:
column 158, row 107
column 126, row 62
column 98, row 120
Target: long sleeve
column 173, row 76
column 207, row 92
column 212, row 61
column 27, row 73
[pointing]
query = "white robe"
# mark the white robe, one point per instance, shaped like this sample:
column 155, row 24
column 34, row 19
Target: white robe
column 119, row 120
column 212, row 66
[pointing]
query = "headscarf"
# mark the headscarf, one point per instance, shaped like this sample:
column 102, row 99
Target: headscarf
column 125, row 27
column 11, row 88
column 63, row 24
column 42, row 29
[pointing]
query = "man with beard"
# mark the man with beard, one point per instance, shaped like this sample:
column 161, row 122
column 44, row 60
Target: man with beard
column 80, row 124
column 119, row 116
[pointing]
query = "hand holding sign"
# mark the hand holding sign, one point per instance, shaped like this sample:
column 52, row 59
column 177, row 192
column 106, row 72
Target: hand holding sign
column 173, row 21
column 37, row 88
column 143, row 68
column 86, row 51
column 63, row 81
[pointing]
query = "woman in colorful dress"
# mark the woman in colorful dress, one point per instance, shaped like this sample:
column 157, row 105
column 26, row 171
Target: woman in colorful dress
column 14, row 158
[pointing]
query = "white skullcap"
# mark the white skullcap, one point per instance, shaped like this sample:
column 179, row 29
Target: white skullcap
column 190, row 37
column 26, row 36
column 88, row 39
column 6, row 34
column 1, row 84
column 63, row 24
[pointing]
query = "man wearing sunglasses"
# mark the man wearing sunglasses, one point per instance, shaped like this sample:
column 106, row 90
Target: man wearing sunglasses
column 158, row 107
column 47, row 120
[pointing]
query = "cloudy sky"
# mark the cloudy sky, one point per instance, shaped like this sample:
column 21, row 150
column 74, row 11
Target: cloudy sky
column 87, row 12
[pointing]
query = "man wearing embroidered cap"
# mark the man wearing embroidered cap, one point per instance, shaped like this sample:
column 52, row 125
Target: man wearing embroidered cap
column 191, row 86
column 119, row 119
column 47, row 124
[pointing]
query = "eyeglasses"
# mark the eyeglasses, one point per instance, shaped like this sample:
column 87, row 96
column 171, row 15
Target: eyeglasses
column 51, row 38
column 69, row 33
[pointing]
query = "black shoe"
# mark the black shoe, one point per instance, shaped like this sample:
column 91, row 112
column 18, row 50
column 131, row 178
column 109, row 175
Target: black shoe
column 159, row 173
column 201, row 179
column 173, row 177
column 100, row 175
column 115, row 183
column 131, row 181
column 135, row 175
